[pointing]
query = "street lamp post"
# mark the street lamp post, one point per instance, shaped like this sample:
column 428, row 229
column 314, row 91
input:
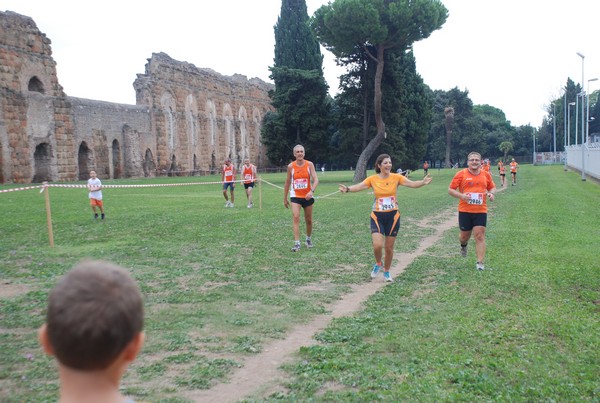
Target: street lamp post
column 582, row 118
column 569, row 124
column 587, row 121
column 533, row 156
column 554, row 129
column 568, row 131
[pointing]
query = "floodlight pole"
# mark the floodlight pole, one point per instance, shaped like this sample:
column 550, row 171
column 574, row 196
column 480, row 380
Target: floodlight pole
column 533, row 156
column 587, row 121
column 568, row 131
column 554, row 128
column 582, row 118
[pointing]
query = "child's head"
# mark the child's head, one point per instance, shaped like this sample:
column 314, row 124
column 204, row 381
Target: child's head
column 93, row 174
column 94, row 313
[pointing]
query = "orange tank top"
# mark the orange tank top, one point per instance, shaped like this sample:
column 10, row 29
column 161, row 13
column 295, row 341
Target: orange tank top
column 228, row 171
column 248, row 174
column 300, row 185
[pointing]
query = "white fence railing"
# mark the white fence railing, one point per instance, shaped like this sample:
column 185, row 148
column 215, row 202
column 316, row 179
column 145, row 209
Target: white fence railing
column 588, row 159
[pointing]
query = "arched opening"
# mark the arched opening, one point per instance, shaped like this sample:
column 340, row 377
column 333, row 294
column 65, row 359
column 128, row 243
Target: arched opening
column 149, row 166
column 83, row 161
column 173, row 168
column 1, row 165
column 35, row 85
column 116, row 159
column 42, row 163
column 213, row 163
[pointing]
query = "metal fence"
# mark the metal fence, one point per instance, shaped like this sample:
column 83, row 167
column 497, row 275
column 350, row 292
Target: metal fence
column 585, row 159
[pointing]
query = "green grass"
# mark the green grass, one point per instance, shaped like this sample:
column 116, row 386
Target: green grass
column 221, row 283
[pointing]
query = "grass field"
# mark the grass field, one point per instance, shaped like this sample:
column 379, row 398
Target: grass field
column 221, row 283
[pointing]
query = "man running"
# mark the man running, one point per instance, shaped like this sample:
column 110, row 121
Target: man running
column 473, row 186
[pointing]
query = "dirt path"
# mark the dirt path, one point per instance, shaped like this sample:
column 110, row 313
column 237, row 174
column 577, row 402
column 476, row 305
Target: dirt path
column 260, row 374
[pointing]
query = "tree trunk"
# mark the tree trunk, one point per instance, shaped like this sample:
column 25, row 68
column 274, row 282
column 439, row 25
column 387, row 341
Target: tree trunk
column 449, row 124
column 361, row 166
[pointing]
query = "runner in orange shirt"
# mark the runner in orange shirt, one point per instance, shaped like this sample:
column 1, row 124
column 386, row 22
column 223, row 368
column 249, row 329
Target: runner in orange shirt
column 385, row 217
column 249, row 175
column 473, row 186
column 486, row 165
column 502, row 172
column 513, row 171
column 228, row 179
column 300, row 184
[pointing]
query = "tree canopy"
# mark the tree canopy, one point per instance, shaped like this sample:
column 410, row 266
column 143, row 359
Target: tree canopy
column 373, row 27
column 300, row 97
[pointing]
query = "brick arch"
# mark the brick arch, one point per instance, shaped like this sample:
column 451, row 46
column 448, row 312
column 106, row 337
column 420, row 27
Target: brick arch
column 230, row 150
column 84, row 161
column 169, row 115
column 211, row 135
column 192, row 128
column 42, row 160
column 36, row 85
column 3, row 138
column 255, row 136
column 245, row 141
column 36, row 77
column 149, row 166
column 116, row 159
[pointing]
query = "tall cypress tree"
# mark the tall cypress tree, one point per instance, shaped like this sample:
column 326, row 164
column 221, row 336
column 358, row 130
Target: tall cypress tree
column 295, row 45
column 300, row 96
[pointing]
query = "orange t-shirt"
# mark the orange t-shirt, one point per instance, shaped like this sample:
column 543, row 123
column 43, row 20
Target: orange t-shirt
column 248, row 174
column 385, row 191
column 513, row 166
column 475, row 185
column 300, row 185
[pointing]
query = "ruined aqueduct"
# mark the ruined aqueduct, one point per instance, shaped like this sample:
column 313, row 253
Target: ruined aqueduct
column 186, row 119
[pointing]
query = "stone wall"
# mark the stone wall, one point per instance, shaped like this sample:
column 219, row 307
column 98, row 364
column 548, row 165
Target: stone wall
column 186, row 120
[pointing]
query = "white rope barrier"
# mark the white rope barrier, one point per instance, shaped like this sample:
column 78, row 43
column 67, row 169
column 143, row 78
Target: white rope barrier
column 316, row 197
column 18, row 189
column 272, row 184
column 148, row 185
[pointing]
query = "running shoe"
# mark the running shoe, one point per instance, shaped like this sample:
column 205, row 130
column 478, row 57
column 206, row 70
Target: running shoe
column 387, row 277
column 463, row 251
column 231, row 205
column 102, row 216
column 227, row 203
column 296, row 247
column 480, row 266
column 375, row 271
column 96, row 216
column 309, row 243
column 250, row 205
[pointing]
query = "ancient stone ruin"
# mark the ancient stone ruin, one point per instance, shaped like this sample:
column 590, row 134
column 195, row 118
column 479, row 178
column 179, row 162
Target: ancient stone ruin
column 186, row 120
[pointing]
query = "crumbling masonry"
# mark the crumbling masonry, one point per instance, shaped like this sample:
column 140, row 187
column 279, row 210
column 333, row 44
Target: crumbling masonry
column 186, row 120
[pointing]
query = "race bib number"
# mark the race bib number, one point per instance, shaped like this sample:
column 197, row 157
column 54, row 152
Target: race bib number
column 300, row 184
column 386, row 203
column 248, row 177
column 229, row 173
column 475, row 198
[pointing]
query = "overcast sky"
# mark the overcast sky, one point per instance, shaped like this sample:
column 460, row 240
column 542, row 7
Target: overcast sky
column 515, row 55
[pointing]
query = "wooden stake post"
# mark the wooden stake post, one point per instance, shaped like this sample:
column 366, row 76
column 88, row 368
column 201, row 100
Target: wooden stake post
column 46, row 191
